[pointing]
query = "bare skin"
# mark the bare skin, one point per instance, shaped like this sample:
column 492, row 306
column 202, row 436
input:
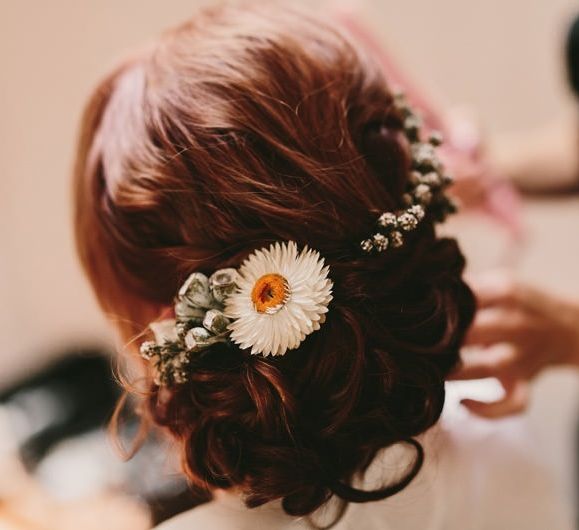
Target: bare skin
column 518, row 332
column 541, row 161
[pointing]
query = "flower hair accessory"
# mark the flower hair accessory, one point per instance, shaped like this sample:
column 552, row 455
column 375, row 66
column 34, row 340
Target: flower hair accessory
column 276, row 298
column 426, row 187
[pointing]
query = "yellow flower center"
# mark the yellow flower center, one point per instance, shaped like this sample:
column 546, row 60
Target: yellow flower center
column 270, row 293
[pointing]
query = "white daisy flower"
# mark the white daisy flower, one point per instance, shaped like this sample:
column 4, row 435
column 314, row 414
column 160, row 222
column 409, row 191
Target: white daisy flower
column 282, row 296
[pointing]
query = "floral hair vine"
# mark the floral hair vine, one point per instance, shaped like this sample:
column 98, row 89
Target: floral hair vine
column 426, row 187
column 276, row 298
column 279, row 295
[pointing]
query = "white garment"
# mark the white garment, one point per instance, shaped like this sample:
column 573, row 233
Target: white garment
column 479, row 475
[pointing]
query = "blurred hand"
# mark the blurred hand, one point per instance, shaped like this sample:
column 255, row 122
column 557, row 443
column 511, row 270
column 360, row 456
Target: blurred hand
column 471, row 185
column 479, row 183
column 518, row 332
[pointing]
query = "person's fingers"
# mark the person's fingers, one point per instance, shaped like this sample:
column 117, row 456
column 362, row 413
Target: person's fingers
column 495, row 325
column 470, row 186
column 499, row 289
column 468, row 370
column 495, row 288
column 480, row 364
column 471, row 193
column 515, row 401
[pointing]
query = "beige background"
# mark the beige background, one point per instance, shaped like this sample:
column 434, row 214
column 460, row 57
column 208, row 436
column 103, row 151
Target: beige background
column 502, row 57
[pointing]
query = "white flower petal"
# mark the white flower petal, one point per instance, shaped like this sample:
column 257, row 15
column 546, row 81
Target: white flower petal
column 302, row 313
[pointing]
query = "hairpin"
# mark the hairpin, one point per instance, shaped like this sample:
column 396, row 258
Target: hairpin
column 276, row 298
column 426, row 188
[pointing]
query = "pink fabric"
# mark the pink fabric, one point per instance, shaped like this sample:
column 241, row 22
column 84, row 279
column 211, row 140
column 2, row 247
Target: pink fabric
column 462, row 140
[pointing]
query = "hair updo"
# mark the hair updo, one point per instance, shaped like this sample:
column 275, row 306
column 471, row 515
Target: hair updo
column 242, row 127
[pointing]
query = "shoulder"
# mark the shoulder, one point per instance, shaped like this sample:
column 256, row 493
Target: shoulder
column 502, row 449
column 228, row 512
column 210, row 516
column 496, row 467
column 200, row 517
column 478, row 474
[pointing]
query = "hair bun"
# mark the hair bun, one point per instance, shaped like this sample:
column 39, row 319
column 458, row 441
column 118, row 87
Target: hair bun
column 303, row 165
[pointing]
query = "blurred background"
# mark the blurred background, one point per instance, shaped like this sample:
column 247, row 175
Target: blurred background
column 502, row 60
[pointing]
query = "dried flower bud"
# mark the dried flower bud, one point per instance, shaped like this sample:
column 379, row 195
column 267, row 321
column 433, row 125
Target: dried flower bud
column 164, row 331
column 185, row 312
column 387, row 220
column 367, row 245
column 401, row 104
column 424, row 156
column 412, row 126
column 215, row 321
column 447, row 180
column 417, row 211
column 396, row 239
column 197, row 338
column 180, row 377
column 196, row 292
column 222, row 284
column 432, row 179
column 423, row 194
column 180, row 360
column 380, row 242
column 436, row 138
column 184, row 326
column 415, row 178
column 407, row 200
column 407, row 222
column 452, row 206
column 149, row 349
column 399, row 98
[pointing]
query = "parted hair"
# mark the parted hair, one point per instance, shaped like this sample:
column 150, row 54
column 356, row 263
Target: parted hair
column 246, row 125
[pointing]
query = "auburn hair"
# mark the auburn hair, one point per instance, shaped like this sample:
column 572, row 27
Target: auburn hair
column 244, row 126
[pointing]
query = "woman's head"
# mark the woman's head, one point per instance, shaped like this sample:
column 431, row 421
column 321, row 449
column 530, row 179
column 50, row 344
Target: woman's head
column 242, row 127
